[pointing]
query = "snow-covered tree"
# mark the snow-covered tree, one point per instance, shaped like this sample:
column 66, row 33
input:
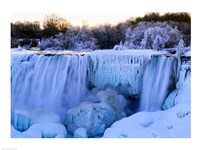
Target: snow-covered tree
column 180, row 48
column 158, row 43
column 76, row 38
column 81, row 39
column 152, row 35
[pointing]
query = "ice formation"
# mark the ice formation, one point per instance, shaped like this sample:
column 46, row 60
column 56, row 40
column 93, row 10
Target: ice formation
column 120, row 70
column 56, row 84
column 183, row 92
column 52, row 82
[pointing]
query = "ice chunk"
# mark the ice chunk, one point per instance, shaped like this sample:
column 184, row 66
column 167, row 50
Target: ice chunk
column 20, row 119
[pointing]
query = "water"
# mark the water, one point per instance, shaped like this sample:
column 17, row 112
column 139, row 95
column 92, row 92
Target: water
column 158, row 81
column 55, row 83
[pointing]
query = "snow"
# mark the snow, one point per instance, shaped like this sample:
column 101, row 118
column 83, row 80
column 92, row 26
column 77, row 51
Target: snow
column 120, row 70
column 117, row 102
column 43, row 116
column 172, row 123
column 80, row 133
column 44, row 130
column 35, row 124
column 170, row 101
column 188, row 54
column 14, row 132
column 180, row 95
column 95, row 117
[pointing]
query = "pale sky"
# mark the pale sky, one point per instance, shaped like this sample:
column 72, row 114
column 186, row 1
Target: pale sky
column 92, row 18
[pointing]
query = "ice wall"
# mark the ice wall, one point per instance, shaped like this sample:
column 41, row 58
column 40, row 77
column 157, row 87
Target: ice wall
column 120, row 70
column 52, row 82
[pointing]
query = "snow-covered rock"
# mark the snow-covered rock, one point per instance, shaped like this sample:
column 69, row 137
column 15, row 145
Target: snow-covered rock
column 171, row 100
column 119, row 70
column 183, row 92
column 171, row 123
column 44, row 130
column 42, row 116
column 117, row 102
column 95, row 117
column 20, row 119
column 80, row 133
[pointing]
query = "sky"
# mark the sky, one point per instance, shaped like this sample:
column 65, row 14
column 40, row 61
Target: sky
column 90, row 18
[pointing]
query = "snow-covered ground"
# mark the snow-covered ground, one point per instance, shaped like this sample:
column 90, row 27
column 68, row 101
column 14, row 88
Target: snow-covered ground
column 175, row 122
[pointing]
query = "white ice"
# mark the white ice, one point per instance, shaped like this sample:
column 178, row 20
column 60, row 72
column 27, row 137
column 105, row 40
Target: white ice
column 120, row 70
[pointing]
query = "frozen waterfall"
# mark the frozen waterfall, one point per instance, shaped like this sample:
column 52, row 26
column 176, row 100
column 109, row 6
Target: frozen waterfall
column 159, row 80
column 54, row 82
column 119, row 70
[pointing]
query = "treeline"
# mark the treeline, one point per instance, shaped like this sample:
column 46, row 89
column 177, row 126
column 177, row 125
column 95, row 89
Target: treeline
column 53, row 30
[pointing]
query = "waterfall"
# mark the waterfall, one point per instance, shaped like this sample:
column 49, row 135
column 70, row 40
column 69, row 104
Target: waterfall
column 158, row 81
column 55, row 83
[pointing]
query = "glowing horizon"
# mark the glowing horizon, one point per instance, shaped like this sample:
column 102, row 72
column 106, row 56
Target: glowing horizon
column 78, row 18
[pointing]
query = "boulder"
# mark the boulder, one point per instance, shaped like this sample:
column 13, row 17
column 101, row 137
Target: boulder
column 94, row 117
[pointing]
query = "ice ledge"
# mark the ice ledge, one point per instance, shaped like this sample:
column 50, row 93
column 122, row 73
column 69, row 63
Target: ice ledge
column 119, row 70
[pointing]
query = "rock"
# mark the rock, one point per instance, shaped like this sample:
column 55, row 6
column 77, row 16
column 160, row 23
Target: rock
column 95, row 117
column 80, row 133
column 20, row 120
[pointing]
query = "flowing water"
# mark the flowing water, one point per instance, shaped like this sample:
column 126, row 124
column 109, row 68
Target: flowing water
column 55, row 83
column 158, row 80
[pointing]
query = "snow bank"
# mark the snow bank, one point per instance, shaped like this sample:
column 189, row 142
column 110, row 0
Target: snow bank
column 172, row 123
column 44, row 130
column 36, row 124
column 120, row 70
